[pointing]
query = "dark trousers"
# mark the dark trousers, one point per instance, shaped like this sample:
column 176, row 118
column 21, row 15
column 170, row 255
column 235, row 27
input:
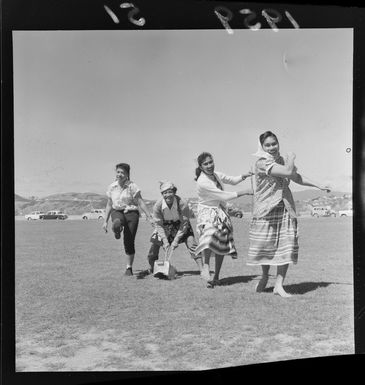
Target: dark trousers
column 128, row 223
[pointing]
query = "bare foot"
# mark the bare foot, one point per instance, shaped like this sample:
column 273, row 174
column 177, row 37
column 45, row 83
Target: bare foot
column 261, row 284
column 205, row 274
column 280, row 291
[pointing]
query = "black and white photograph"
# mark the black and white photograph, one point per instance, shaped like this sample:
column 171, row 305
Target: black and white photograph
column 183, row 197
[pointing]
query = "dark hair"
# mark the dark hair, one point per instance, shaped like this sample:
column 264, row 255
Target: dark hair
column 266, row 135
column 200, row 160
column 124, row 166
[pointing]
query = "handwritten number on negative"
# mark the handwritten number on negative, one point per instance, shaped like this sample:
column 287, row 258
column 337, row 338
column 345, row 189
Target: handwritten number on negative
column 131, row 14
column 272, row 17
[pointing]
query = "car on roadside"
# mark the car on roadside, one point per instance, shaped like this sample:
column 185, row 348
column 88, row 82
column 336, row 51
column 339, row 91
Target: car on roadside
column 321, row 211
column 55, row 214
column 345, row 213
column 94, row 214
column 34, row 215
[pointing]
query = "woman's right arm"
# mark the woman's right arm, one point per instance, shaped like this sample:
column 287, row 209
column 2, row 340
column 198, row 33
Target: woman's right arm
column 108, row 210
column 287, row 170
column 211, row 192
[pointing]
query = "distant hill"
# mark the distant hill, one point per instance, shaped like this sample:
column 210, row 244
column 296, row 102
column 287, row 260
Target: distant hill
column 74, row 196
column 312, row 194
column 18, row 198
column 72, row 203
column 77, row 203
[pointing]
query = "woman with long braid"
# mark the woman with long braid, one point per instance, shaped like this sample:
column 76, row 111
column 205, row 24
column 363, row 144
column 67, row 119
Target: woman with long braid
column 214, row 225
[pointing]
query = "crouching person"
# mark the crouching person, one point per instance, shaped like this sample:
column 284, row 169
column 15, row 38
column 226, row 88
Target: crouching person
column 172, row 225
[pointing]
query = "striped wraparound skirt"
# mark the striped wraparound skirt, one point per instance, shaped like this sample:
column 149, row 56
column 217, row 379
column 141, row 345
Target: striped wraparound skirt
column 273, row 238
column 215, row 231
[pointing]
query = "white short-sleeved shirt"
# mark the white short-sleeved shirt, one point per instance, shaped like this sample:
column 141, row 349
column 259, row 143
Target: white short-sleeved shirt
column 123, row 197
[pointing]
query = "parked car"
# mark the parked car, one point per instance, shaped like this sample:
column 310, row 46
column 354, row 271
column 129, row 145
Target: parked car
column 94, row 214
column 53, row 215
column 345, row 213
column 322, row 212
column 34, row 215
column 235, row 212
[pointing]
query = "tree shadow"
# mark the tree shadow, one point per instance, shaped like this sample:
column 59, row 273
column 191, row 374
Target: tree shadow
column 301, row 288
column 237, row 279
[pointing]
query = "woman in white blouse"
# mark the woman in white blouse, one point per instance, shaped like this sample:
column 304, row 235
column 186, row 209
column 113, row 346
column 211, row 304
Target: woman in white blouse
column 214, row 225
column 124, row 198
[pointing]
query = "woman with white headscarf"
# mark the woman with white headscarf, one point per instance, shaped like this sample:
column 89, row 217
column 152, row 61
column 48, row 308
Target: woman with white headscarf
column 274, row 228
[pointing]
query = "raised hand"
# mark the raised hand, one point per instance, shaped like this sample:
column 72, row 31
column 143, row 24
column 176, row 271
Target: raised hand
column 291, row 155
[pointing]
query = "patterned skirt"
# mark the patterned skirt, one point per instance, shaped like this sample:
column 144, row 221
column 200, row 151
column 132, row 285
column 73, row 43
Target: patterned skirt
column 215, row 231
column 273, row 239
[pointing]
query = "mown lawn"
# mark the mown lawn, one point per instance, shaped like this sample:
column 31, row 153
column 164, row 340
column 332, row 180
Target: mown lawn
column 75, row 311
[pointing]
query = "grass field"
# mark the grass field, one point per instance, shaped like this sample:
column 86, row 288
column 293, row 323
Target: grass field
column 75, row 311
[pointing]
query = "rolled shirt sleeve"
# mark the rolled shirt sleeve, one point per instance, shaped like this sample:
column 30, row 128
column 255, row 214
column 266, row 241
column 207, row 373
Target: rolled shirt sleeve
column 134, row 189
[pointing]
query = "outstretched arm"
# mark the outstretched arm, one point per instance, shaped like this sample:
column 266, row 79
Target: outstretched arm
column 233, row 180
column 303, row 181
column 212, row 192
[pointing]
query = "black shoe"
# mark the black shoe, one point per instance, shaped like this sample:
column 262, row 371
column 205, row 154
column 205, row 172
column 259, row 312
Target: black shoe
column 117, row 235
column 144, row 273
column 128, row 271
column 212, row 283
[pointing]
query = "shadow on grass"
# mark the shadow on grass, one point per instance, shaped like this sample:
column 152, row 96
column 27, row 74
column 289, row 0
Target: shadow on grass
column 188, row 272
column 141, row 274
column 301, row 288
column 238, row 279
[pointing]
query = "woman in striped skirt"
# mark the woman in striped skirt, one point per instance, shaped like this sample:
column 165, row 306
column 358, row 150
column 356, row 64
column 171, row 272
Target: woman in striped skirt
column 214, row 225
column 274, row 229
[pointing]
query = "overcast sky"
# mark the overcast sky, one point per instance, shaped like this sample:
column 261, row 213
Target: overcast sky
column 86, row 100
